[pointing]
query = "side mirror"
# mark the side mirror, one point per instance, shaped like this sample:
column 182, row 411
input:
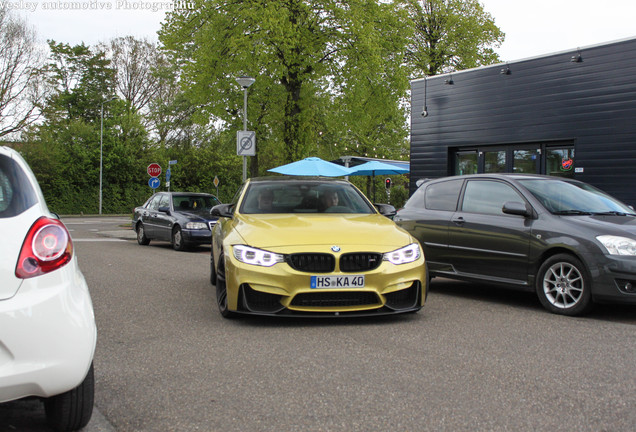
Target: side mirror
column 165, row 210
column 516, row 208
column 223, row 210
column 386, row 210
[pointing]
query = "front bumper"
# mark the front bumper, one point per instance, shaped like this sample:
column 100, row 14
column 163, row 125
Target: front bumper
column 47, row 335
column 282, row 291
column 614, row 279
column 200, row 236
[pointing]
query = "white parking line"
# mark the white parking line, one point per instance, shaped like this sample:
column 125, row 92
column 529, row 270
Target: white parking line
column 97, row 240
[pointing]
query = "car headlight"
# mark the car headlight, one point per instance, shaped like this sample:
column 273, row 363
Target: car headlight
column 259, row 257
column 616, row 245
column 196, row 225
column 403, row 255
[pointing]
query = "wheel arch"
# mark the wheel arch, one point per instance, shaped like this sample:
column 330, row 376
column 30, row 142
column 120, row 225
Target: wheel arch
column 556, row 250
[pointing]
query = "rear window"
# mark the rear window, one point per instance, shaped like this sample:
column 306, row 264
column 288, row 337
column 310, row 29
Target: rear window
column 16, row 192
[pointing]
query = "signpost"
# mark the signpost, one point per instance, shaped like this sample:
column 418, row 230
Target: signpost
column 154, row 171
column 246, row 143
column 169, row 173
column 216, row 185
column 154, row 182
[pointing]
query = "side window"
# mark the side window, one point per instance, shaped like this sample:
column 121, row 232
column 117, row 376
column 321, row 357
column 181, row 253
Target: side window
column 443, row 195
column 165, row 201
column 417, row 199
column 488, row 196
column 154, row 202
column 6, row 192
column 16, row 193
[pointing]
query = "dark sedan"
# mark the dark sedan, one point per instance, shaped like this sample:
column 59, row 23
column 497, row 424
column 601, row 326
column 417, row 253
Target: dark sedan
column 568, row 241
column 182, row 218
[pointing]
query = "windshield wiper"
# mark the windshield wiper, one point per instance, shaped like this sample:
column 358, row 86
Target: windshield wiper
column 613, row 213
column 572, row 212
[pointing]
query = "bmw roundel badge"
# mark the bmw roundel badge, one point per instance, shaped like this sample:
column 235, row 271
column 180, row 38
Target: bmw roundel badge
column 335, row 248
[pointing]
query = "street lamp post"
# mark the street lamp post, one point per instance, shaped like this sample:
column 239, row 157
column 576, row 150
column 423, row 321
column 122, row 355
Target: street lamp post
column 245, row 82
column 101, row 151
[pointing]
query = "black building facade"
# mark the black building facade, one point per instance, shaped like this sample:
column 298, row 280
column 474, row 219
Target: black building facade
column 569, row 114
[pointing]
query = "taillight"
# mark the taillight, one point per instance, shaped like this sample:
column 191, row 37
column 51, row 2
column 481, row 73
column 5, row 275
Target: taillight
column 47, row 247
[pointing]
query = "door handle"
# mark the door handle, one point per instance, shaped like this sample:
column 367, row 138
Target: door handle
column 459, row 221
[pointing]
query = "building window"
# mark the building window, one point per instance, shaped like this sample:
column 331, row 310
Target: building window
column 495, row 161
column 559, row 162
column 466, row 163
column 525, row 161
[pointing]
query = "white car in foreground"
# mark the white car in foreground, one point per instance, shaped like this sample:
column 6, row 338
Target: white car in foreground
column 47, row 325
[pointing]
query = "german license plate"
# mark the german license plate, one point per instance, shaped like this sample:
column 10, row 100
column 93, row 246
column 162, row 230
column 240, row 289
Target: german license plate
column 349, row 281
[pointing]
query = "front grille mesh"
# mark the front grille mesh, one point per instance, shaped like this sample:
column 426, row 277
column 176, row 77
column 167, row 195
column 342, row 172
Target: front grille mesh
column 356, row 262
column 312, row 262
column 404, row 299
column 257, row 301
column 326, row 263
column 335, row 299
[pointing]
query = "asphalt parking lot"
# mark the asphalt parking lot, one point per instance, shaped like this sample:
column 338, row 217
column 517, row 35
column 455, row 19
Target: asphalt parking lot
column 474, row 358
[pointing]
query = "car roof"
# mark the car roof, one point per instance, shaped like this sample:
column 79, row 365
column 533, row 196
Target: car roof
column 507, row 176
column 187, row 193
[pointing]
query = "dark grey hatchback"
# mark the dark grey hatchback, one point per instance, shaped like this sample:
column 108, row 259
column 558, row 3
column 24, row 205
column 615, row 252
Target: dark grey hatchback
column 568, row 241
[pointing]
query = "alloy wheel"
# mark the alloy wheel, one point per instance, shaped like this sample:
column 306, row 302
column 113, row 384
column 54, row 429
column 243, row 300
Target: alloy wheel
column 563, row 285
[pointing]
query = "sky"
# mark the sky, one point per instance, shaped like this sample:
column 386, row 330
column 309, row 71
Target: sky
column 532, row 27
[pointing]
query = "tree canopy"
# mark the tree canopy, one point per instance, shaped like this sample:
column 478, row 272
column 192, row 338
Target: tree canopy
column 315, row 63
column 332, row 79
column 452, row 35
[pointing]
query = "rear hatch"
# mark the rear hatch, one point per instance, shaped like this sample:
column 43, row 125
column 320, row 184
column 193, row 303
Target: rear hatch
column 21, row 203
column 14, row 231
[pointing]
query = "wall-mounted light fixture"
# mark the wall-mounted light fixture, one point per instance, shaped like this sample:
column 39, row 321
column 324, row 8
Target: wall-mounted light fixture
column 505, row 71
column 425, row 109
column 449, row 81
column 577, row 58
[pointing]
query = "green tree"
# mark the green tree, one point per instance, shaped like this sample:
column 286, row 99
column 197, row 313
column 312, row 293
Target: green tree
column 20, row 87
column 305, row 56
column 65, row 149
column 452, row 35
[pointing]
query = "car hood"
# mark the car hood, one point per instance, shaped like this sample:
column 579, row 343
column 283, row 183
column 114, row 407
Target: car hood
column 271, row 231
column 198, row 216
column 607, row 224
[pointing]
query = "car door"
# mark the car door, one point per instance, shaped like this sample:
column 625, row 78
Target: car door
column 148, row 216
column 427, row 215
column 163, row 220
column 483, row 240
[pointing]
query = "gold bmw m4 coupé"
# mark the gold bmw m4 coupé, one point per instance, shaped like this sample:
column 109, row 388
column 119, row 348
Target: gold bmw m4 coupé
column 299, row 246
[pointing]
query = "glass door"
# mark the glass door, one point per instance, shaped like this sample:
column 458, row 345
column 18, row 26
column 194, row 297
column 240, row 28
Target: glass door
column 526, row 161
column 466, row 162
column 559, row 162
column 494, row 161
column 556, row 159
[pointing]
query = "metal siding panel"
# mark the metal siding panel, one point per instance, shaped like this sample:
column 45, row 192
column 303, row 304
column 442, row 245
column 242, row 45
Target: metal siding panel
column 592, row 103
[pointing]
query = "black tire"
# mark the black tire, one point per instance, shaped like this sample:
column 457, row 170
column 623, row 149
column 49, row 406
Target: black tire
column 141, row 235
column 212, row 269
column 177, row 239
column 72, row 410
column 221, row 289
column 563, row 285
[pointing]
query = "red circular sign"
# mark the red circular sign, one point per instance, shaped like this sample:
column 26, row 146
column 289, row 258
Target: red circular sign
column 154, row 170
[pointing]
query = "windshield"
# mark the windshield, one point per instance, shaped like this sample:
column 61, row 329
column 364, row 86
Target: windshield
column 195, row 203
column 564, row 197
column 304, row 197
